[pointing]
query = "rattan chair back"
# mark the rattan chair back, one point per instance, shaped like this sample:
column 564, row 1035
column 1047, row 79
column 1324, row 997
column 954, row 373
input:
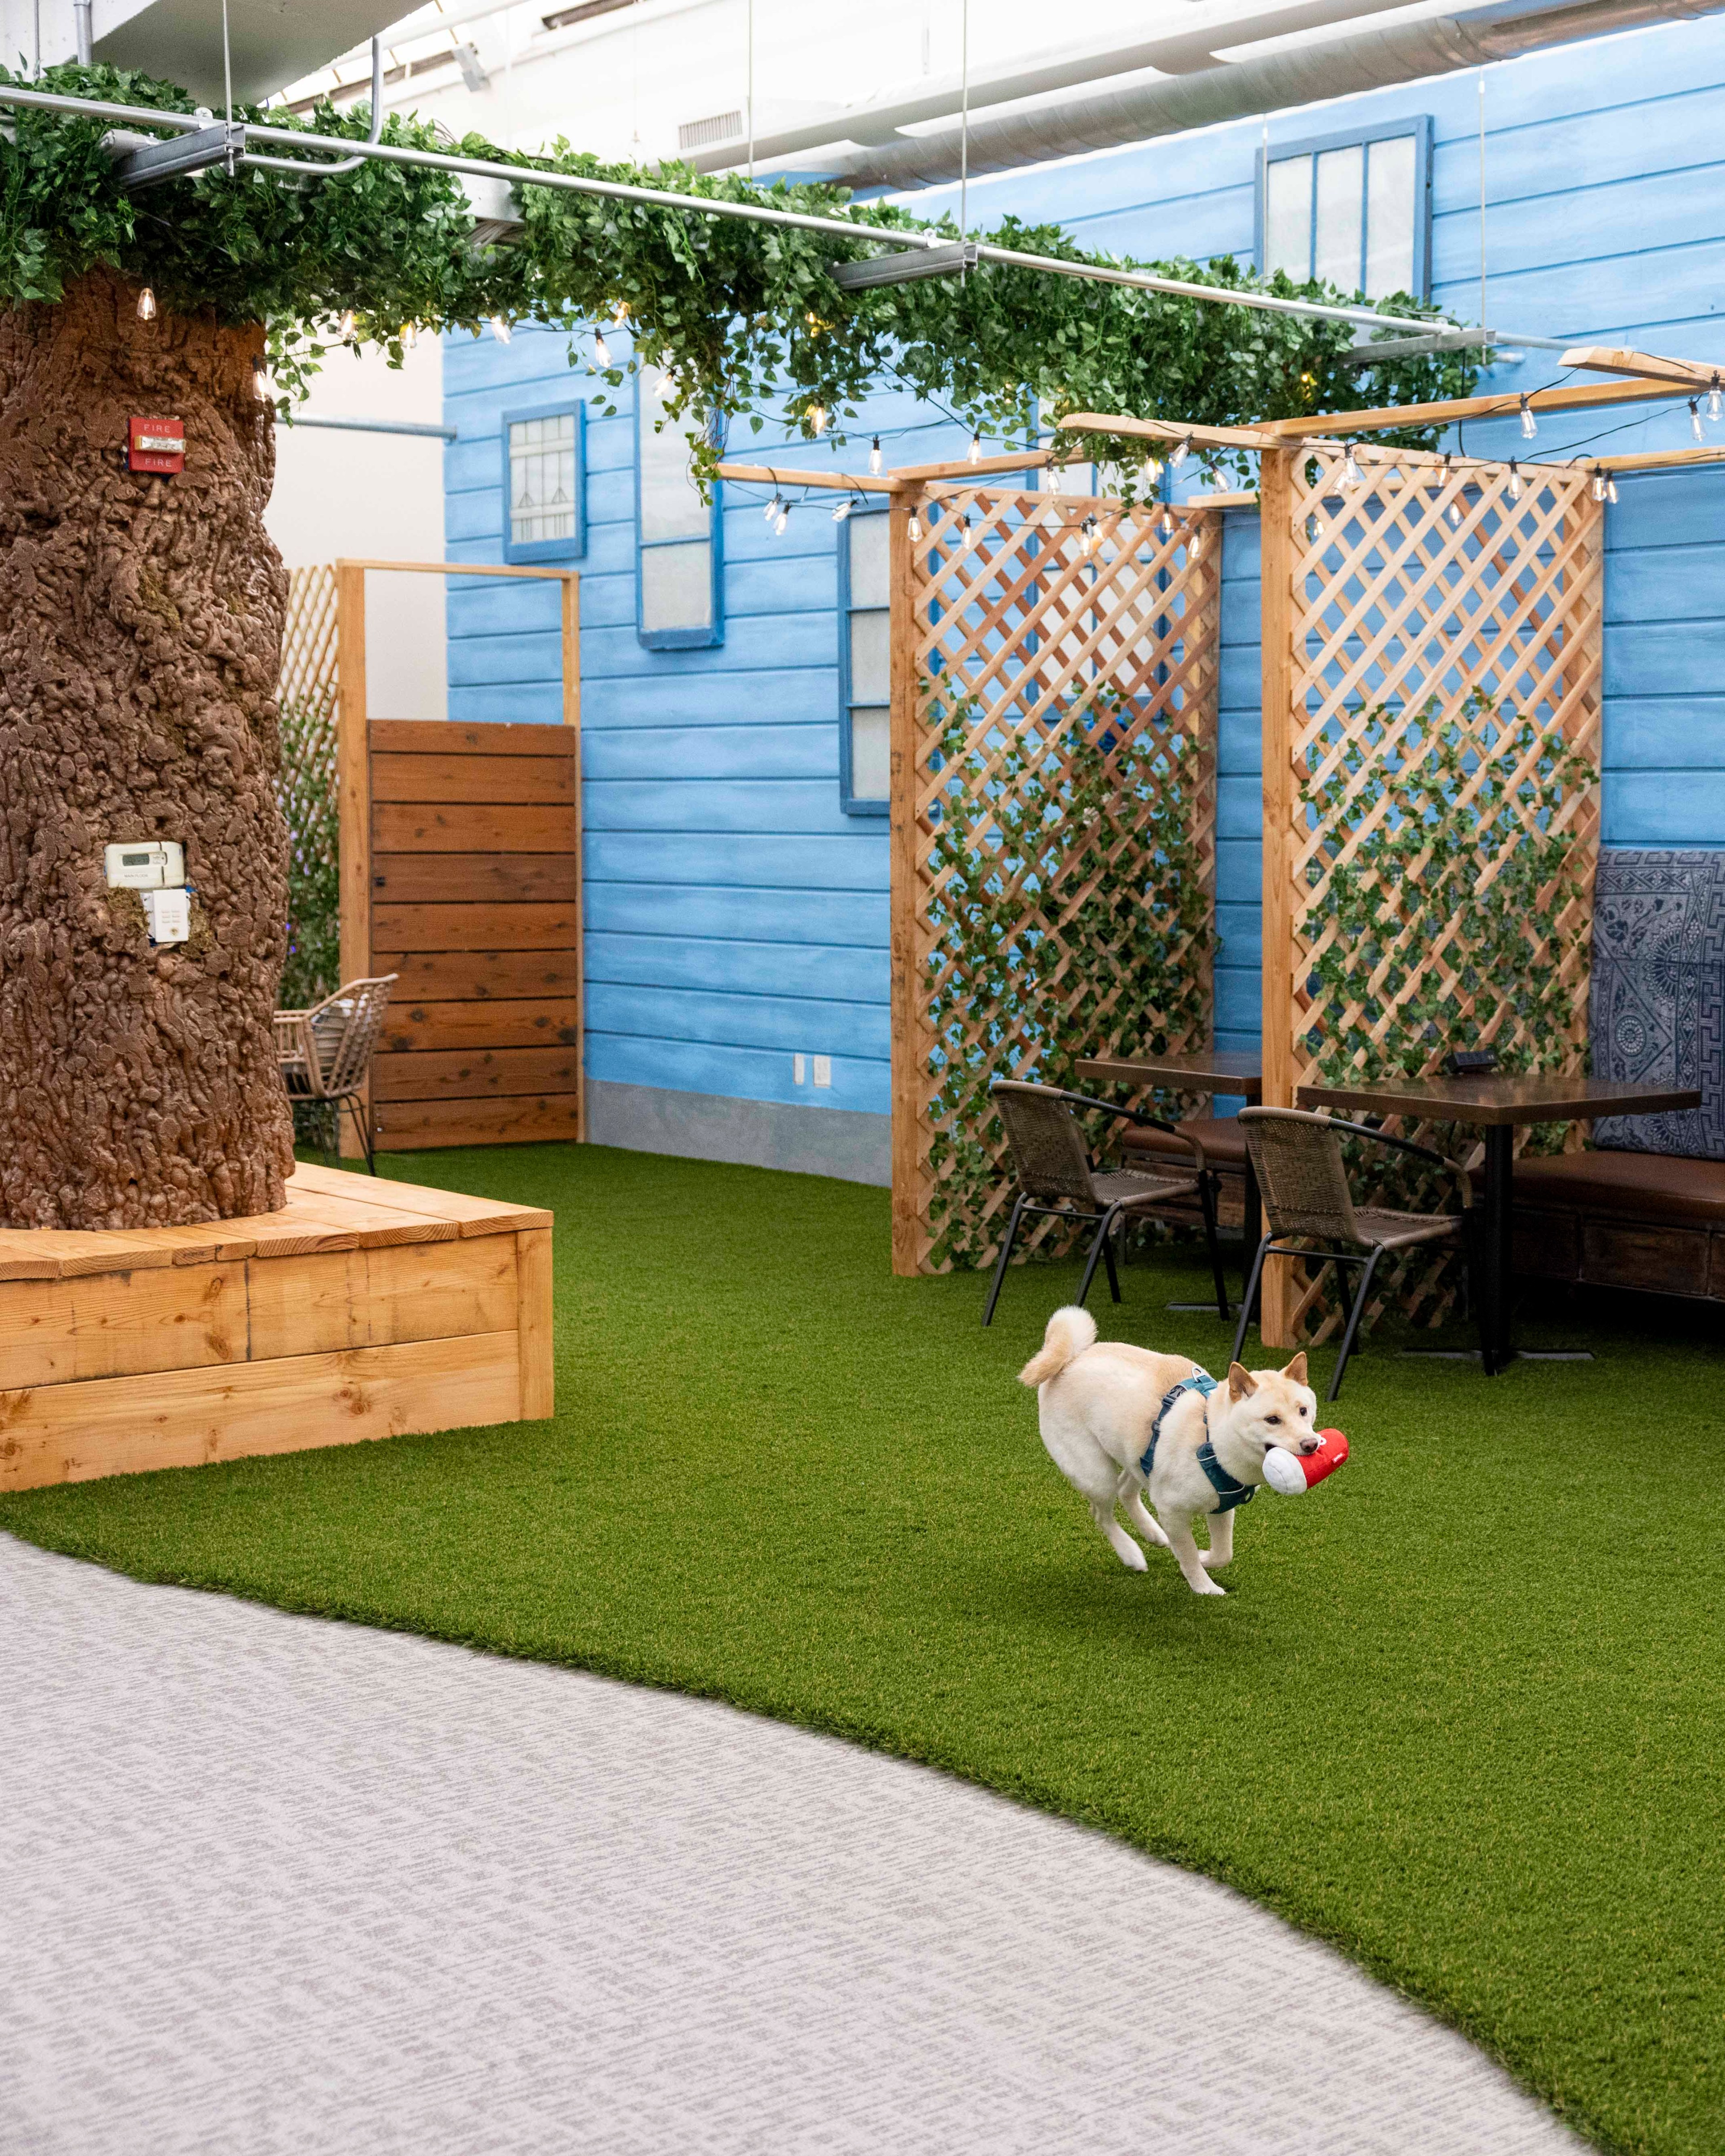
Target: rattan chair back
column 1302, row 1178
column 325, row 1052
column 1048, row 1149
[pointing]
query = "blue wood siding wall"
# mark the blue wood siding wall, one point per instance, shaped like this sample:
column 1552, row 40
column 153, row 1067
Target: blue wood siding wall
column 735, row 916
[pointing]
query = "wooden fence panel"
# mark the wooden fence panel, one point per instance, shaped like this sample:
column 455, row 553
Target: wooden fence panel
column 1054, row 728
column 473, row 897
column 1431, row 633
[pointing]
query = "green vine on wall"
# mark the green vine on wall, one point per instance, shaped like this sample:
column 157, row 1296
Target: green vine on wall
column 307, row 794
column 1073, row 920
column 742, row 319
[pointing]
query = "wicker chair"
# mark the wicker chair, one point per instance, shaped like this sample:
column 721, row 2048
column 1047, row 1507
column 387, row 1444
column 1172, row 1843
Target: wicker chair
column 1302, row 1179
column 326, row 1053
column 1056, row 1178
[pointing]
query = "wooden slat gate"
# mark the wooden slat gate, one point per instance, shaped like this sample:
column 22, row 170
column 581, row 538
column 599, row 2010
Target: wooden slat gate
column 461, row 873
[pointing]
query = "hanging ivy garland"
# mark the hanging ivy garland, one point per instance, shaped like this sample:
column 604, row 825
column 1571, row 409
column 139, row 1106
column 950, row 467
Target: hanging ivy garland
column 742, row 319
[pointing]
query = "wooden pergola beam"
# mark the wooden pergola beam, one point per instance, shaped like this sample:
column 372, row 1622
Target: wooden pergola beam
column 982, row 468
column 835, row 482
column 1580, row 397
column 1656, row 459
column 1167, row 430
column 1613, row 359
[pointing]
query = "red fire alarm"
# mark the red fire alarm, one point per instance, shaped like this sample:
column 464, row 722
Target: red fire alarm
column 156, row 445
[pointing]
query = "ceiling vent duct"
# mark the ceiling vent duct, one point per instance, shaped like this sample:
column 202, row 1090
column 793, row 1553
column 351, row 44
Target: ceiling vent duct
column 698, row 134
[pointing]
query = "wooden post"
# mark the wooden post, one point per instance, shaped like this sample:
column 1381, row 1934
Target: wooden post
column 908, row 1056
column 353, row 766
column 571, row 719
column 1275, row 493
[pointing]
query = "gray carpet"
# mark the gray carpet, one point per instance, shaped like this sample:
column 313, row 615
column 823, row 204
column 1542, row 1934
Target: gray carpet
column 271, row 1884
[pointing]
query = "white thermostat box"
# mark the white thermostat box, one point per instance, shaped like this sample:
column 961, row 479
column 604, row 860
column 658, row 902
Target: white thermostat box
column 144, row 865
column 168, row 914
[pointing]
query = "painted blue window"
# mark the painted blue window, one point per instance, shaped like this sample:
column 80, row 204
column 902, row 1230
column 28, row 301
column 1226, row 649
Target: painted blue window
column 678, row 550
column 865, row 663
column 545, row 483
column 1354, row 210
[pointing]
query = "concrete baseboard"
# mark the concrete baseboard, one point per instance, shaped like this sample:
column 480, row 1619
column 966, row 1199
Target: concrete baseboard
column 837, row 1142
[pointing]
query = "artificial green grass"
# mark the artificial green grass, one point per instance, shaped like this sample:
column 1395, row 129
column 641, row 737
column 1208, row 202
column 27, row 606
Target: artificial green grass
column 1461, row 1714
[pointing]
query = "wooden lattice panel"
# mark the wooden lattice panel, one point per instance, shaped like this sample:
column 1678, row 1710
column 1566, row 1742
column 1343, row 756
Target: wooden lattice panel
column 1435, row 629
column 1054, row 676
column 307, row 696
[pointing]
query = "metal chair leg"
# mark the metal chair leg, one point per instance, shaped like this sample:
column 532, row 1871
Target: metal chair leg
column 1208, row 1190
column 1108, row 1259
column 1004, row 1261
column 362, row 1123
column 1353, row 1319
column 1246, row 1308
column 1096, row 1249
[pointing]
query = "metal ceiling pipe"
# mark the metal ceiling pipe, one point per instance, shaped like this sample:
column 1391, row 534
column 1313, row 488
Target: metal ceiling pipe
column 1441, row 43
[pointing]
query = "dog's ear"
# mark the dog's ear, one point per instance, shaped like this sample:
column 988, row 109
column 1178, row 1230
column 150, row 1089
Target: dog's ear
column 1241, row 1382
column 1296, row 1369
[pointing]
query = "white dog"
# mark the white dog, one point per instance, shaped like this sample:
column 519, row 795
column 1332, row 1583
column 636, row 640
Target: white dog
column 1120, row 1423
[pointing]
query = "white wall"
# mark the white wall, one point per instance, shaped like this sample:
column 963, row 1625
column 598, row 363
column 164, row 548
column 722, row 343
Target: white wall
column 379, row 496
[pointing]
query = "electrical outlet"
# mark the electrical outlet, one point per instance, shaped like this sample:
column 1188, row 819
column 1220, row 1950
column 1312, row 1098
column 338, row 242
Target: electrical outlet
column 823, row 1069
column 799, row 1070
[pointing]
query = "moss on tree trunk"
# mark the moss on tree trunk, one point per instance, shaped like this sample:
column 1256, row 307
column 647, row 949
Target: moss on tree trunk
column 141, row 623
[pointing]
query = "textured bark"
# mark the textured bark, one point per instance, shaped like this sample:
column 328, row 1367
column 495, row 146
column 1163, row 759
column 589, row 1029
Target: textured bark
column 141, row 623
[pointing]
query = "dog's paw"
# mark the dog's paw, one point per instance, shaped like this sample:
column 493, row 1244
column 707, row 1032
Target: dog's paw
column 1206, row 1587
column 1134, row 1559
column 1209, row 1559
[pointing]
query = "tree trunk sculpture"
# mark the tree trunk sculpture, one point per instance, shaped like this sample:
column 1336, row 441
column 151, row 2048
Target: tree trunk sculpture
column 141, row 623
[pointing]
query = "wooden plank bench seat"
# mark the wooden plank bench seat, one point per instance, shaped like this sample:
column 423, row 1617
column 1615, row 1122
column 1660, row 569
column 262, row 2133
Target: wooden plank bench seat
column 1649, row 1220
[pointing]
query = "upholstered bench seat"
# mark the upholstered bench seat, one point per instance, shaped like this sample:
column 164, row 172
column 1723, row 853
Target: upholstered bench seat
column 1623, row 1219
column 1222, row 1140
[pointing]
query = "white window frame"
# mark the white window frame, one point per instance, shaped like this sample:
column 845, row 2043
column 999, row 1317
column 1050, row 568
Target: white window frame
column 1418, row 127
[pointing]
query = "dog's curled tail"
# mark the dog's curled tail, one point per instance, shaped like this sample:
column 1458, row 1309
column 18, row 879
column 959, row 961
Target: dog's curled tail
column 1069, row 1331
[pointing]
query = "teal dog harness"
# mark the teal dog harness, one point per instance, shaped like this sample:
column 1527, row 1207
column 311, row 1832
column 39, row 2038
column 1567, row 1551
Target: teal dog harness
column 1228, row 1492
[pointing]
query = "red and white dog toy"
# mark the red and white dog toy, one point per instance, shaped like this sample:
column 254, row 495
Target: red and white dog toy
column 1292, row 1473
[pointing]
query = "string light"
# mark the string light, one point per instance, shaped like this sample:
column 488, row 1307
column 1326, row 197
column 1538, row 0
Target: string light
column 1610, row 489
column 875, row 458
column 619, row 314
column 1716, row 401
column 1454, row 511
column 1530, row 425
column 844, row 509
column 916, row 527
column 782, row 518
column 772, row 507
column 1087, row 543
column 260, row 376
column 967, row 537
column 1695, row 420
column 1352, row 475
column 973, row 455
column 1167, row 525
column 1316, row 528
column 1054, row 478
column 410, row 334
column 818, row 418
column 601, row 350
column 1598, row 483
column 146, row 306
column 1181, row 450
column 1515, row 481
column 502, row 329
column 348, row 324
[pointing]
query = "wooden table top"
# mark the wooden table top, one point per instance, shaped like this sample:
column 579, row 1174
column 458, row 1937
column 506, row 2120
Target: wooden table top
column 1493, row 1101
column 1214, row 1070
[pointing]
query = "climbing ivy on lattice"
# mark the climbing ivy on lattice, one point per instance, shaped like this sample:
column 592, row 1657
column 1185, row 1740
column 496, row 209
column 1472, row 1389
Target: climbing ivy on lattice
column 1062, row 800
column 306, row 788
column 1446, row 711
